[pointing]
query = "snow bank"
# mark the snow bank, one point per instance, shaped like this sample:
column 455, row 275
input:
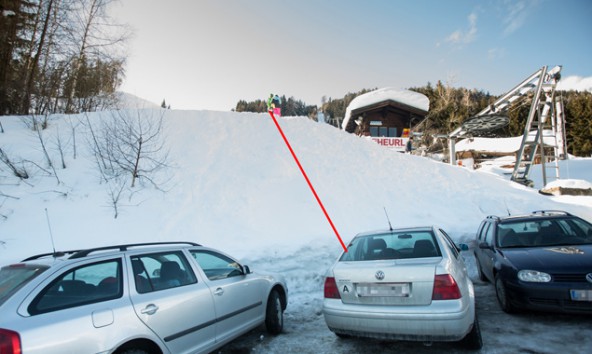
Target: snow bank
column 232, row 184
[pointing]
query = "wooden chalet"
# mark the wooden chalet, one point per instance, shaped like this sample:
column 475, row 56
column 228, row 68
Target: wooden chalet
column 386, row 115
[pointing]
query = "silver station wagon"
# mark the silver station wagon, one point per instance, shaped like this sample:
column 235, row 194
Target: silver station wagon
column 403, row 284
column 140, row 298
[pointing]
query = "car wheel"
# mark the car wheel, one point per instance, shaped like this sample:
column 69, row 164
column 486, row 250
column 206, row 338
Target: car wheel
column 481, row 274
column 274, row 316
column 342, row 335
column 502, row 295
column 135, row 351
column 473, row 339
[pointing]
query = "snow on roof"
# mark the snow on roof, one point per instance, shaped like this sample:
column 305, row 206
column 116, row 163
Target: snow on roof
column 503, row 145
column 409, row 98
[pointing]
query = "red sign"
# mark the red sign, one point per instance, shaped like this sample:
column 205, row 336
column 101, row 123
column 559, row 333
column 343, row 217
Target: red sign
column 397, row 143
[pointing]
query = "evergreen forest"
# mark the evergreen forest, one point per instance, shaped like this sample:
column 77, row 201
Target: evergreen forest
column 59, row 56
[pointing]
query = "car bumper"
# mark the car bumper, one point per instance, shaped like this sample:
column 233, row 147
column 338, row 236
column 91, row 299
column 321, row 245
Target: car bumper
column 448, row 320
column 549, row 297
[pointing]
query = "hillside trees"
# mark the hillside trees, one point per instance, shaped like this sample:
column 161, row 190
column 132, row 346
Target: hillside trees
column 58, row 56
column 257, row 106
column 450, row 107
column 335, row 108
column 290, row 107
column 578, row 116
column 92, row 39
column 14, row 20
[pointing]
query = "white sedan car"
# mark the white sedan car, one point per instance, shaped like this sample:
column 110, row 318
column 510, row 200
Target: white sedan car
column 402, row 284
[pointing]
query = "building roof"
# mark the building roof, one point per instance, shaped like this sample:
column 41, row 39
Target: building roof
column 405, row 99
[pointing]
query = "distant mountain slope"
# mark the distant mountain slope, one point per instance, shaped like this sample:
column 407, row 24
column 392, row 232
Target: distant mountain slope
column 128, row 100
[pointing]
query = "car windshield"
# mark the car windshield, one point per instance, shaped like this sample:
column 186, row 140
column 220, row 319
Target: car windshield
column 544, row 233
column 14, row 276
column 392, row 245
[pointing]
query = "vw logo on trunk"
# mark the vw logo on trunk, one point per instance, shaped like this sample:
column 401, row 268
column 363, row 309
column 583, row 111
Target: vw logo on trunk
column 588, row 277
column 380, row 275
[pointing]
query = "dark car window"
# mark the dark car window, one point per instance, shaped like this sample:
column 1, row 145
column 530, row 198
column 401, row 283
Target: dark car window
column 13, row 277
column 480, row 233
column 483, row 232
column 577, row 228
column 395, row 245
column 159, row 271
column 541, row 232
column 489, row 234
column 216, row 266
column 83, row 285
column 450, row 244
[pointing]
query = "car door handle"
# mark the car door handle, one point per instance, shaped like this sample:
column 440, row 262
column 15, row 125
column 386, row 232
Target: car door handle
column 219, row 292
column 149, row 310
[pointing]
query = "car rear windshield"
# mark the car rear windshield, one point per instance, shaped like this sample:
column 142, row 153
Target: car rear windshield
column 544, row 232
column 15, row 276
column 392, row 245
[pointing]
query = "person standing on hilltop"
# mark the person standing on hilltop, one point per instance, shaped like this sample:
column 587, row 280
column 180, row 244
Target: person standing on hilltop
column 270, row 104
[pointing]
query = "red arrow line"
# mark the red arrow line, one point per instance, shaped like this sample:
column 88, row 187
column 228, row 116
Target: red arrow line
column 307, row 180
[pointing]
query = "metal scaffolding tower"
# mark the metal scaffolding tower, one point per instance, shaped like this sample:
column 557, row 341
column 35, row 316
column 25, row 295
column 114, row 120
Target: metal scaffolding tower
column 543, row 107
column 540, row 86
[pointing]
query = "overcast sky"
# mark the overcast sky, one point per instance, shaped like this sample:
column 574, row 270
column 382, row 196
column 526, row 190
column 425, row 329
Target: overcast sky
column 209, row 54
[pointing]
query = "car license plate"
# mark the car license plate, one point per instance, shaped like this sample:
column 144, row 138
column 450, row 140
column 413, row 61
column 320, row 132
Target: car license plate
column 581, row 295
column 385, row 289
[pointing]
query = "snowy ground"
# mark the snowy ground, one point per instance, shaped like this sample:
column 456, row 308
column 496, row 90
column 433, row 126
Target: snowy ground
column 233, row 185
column 305, row 330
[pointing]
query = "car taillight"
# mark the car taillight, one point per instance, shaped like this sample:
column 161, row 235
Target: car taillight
column 445, row 288
column 331, row 291
column 10, row 342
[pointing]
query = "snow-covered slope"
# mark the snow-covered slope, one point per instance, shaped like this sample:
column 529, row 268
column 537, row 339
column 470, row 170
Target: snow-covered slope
column 131, row 101
column 233, row 185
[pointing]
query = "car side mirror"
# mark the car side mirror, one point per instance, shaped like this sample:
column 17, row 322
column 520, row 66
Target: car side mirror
column 463, row 246
column 485, row 246
column 246, row 270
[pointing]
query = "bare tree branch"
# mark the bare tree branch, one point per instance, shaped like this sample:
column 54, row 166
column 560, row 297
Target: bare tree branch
column 18, row 172
column 48, row 159
column 134, row 144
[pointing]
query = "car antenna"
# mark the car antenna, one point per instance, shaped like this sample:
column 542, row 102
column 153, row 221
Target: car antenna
column 508, row 209
column 387, row 218
column 50, row 233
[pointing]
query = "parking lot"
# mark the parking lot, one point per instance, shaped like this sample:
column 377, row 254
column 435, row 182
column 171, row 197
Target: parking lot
column 305, row 330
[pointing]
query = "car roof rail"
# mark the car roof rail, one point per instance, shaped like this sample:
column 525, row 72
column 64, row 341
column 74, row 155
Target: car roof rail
column 552, row 212
column 86, row 252
column 53, row 254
